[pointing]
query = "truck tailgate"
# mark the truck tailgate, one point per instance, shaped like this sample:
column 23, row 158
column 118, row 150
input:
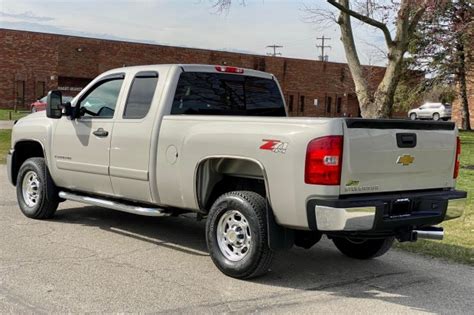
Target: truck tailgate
column 397, row 155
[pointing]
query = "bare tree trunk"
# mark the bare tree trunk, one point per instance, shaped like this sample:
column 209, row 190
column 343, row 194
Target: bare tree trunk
column 378, row 103
column 360, row 82
column 466, row 116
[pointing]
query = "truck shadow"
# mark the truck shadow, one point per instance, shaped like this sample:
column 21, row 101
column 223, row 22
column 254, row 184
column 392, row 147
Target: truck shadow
column 397, row 278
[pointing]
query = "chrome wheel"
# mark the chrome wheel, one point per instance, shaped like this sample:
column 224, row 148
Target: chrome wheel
column 435, row 116
column 413, row 116
column 233, row 235
column 30, row 188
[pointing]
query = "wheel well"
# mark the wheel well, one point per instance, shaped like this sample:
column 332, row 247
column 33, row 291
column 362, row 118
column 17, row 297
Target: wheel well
column 23, row 151
column 216, row 176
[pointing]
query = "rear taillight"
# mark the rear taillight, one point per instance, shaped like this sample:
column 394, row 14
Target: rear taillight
column 323, row 161
column 229, row 69
column 458, row 158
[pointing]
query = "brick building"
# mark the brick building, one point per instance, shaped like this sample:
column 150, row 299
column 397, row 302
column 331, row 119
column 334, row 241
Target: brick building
column 33, row 63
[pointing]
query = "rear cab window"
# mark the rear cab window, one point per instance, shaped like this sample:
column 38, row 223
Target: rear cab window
column 202, row 93
column 140, row 96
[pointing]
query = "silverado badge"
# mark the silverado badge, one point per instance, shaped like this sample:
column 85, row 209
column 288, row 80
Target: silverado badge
column 405, row 159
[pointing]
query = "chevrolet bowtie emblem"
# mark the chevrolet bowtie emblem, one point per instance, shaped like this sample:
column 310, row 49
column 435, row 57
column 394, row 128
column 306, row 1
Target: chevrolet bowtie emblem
column 405, row 160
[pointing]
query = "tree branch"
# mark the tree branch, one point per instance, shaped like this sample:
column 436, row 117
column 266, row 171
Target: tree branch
column 365, row 19
column 415, row 20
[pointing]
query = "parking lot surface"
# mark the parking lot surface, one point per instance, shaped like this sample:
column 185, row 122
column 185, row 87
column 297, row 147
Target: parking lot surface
column 89, row 259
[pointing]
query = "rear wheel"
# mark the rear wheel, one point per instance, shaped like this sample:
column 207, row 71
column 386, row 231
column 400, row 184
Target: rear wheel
column 413, row 116
column 33, row 109
column 363, row 248
column 436, row 117
column 36, row 193
column 236, row 235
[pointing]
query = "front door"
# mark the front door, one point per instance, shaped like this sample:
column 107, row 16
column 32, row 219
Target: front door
column 81, row 146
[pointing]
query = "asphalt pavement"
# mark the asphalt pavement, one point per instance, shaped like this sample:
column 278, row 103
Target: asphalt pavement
column 89, row 259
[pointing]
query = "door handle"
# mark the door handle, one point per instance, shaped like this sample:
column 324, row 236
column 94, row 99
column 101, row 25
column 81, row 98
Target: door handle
column 101, row 133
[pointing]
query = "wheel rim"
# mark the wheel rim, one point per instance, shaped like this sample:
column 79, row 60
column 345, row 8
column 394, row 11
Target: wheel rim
column 233, row 235
column 413, row 116
column 33, row 109
column 30, row 188
column 436, row 117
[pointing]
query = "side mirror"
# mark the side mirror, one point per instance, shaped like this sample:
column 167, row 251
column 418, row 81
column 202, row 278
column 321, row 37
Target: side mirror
column 54, row 105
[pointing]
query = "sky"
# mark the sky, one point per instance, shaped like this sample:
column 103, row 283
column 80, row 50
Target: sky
column 194, row 23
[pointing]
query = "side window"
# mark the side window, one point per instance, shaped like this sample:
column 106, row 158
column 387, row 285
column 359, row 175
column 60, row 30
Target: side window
column 290, row 104
column 328, row 104
column 101, row 100
column 140, row 95
column 339, row 105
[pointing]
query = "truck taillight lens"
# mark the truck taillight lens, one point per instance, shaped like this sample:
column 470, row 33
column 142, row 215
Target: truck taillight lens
column 323, row 161
column 458, row 158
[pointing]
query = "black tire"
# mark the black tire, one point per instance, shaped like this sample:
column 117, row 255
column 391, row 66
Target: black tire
column 363, row 248
column 33, row 109
column 47, row 199
column 436, row 116
column 258, row 258
column 413, row 116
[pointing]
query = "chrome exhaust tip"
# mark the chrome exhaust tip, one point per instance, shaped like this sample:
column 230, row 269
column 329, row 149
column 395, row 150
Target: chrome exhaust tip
column 430, row 233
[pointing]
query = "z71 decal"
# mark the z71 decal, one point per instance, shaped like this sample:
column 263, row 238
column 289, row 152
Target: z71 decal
column 275, row 146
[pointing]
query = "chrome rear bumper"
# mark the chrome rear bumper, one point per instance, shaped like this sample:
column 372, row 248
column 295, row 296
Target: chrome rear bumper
column 379, row 213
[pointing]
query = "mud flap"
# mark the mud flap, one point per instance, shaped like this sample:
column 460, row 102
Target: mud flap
column 279, row 237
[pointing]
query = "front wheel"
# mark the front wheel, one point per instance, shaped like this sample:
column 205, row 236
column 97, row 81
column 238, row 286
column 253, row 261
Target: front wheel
column 363, row 248
column 236, row 235
column 36, row 193
column 436, row 116
column 413, row 116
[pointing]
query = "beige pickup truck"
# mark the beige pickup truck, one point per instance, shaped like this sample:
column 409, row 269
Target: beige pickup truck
column 164, row 140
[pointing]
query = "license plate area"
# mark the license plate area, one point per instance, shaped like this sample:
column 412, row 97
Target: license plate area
column 402, row 207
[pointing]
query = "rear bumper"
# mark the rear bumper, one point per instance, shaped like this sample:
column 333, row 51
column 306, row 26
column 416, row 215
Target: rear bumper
column 385, row 213
column 9, row 166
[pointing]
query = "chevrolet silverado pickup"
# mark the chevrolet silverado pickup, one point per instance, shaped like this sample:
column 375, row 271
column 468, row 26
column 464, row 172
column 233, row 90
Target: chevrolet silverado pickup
column 165, row 140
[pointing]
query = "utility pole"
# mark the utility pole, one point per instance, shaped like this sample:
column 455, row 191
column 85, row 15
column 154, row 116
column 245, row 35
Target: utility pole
column 323, row 39
column 275, row 53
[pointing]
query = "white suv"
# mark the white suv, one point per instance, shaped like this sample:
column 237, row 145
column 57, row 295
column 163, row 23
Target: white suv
column 435, row 111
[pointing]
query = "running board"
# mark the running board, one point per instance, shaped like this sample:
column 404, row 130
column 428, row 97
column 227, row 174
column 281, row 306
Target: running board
column 150, row 212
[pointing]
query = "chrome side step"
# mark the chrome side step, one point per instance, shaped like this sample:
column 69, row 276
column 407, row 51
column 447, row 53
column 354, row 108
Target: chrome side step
column 150, row 212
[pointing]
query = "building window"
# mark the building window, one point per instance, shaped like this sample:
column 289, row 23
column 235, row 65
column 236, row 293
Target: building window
column 328, row 104
column 302, row 103
column 339, row 105
column 20, row 93
column 40, row 89
column 290, row 103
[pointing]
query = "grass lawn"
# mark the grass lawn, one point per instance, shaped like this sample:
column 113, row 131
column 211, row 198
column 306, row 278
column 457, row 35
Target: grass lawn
column 5, row 116
column 458, row 243
column 5, row 136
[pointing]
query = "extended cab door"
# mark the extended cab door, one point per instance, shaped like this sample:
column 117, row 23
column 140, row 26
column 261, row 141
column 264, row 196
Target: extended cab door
column 81, row 146
column 133, row 138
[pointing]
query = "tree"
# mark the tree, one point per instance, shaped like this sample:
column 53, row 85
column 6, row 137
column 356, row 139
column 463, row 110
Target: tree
column 379, row 103
column 443, row 45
